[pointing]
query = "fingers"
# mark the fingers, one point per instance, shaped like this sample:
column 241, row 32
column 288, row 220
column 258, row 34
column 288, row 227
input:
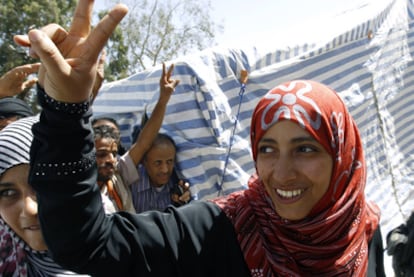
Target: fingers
column 27, row 69
column 100, row 74
column 167, row 84
column 102, row 58
column 22, row 40
column 184, row 185
column 165, row 76
column 19, row 73
column 47, row 51
column 170, row 70
column 28, row 84
column 185, row 197
column 101, row 33
column 163, row 72
column 55, row 32
column 82, row 19
column 175, row 83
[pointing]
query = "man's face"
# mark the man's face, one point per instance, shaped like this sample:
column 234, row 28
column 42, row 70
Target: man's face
column 159, row 163
column 106, row 158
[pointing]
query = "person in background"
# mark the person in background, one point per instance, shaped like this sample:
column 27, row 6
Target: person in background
column 114, row 174
column 11, row 83
column 303, row 214
column 400, row 245
column 112, row 123
column 23, row 251
column 159, row 184
column 12, row 109
column 117, row 173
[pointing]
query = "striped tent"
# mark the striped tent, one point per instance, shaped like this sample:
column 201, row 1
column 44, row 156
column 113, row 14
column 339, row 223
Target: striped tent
column 370, row 65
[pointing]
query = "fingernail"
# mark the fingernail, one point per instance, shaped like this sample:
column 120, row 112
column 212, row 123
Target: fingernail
column 34, row 35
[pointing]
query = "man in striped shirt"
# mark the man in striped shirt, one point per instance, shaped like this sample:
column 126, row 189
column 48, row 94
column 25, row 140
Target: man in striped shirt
column 159, row 184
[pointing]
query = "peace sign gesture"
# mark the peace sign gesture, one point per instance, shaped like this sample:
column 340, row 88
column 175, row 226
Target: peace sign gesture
column 69, row 58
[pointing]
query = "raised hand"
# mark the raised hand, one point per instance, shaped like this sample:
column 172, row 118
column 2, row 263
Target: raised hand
column 15, row 80
column 69, row 58
column 184, row 196
column 167, row 85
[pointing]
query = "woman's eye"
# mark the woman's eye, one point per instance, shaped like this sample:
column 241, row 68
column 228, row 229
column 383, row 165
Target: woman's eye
column 7, row 192
column 266, row 149
column 307, row 149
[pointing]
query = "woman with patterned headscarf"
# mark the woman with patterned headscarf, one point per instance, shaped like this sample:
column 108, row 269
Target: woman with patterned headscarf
column 23, row 250
column 305, row 212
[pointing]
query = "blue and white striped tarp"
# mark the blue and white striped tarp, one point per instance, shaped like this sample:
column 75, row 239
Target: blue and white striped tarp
column 370, row 65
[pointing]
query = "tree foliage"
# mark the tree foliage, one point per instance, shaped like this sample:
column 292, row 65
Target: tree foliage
column 18, row 16
column 154, row 31
column 160, row 30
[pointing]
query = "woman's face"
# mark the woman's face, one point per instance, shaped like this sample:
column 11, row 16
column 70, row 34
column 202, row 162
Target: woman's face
column 294, row 167
column 18, row 206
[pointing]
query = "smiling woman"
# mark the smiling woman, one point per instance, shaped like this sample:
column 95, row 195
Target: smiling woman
column 23, row 250
column 306, row 207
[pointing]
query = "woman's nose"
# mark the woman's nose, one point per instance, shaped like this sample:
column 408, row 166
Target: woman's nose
column 284, row 170
column 30, row 205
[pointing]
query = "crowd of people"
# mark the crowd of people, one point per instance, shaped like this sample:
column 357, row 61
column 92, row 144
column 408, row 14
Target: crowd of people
column 74, row 201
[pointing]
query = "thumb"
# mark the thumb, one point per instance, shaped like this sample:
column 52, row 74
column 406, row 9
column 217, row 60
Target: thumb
column 43, row 47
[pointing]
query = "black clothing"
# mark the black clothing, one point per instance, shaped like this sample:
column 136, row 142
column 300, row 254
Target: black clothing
column 195, row 240
column 376, row 256
column 12, row 106
column 400, row 245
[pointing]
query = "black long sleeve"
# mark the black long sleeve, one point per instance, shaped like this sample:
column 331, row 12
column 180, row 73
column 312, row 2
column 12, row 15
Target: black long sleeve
column 194, row 240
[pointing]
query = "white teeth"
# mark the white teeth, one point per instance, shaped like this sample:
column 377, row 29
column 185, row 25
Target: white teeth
column 289, row 193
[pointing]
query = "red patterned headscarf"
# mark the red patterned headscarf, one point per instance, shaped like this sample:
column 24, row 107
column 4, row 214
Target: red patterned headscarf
column 333, row 239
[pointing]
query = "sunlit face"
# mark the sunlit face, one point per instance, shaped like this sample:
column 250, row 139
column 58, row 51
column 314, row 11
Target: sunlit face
column 18, row 206
column 159, row 163
column 106, row 158
column 295, row 169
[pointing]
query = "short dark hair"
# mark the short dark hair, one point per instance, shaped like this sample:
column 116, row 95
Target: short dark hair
column 121, row 148
column 104, row 131
column 162, row 139
column 110, row 119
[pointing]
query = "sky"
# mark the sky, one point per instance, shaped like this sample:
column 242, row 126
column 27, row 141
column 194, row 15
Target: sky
column 268, row 23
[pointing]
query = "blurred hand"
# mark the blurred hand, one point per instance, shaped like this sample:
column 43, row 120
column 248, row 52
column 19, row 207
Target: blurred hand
column 185, row 196
column 69, row 58
column 100, row 74
column 15, row 80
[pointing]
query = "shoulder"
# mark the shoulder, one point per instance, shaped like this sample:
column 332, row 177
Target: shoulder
column 232, row 203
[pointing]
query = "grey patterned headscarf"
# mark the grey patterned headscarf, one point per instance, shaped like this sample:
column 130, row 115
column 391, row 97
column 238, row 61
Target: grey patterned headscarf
column 15, row 141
